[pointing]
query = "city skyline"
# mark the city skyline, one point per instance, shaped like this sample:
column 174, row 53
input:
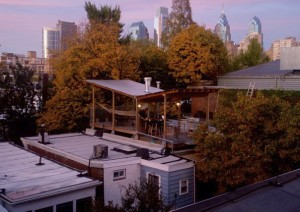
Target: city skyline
column 22, row 21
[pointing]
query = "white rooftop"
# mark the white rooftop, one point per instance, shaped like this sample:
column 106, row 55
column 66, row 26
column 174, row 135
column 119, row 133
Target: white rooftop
column 22, row 179
column 79, row 147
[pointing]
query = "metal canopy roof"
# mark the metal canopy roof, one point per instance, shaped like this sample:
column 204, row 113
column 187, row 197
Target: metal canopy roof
column 125, row 87
column 177, row 94
column 263, row 70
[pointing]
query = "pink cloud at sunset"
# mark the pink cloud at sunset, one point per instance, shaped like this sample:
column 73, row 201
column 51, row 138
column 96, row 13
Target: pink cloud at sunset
column 22, row 20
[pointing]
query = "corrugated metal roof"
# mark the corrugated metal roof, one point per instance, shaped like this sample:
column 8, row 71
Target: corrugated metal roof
column 22, row 178
column 263, row 70
column 125, row 87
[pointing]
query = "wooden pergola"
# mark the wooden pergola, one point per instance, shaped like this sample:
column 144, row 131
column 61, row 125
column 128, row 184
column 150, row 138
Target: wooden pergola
column 137, row 92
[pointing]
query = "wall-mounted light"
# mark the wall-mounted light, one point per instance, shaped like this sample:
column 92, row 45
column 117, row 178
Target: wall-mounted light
column 178, row 104
column 139, row 105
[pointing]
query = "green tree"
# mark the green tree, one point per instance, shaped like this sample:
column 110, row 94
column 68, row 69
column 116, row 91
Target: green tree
column 19, row 102
column 154, row 63
column 196, row 54
column 106, row 15
column 180, row 18
column 256, row 138
column 143, row 196
column 253, row 56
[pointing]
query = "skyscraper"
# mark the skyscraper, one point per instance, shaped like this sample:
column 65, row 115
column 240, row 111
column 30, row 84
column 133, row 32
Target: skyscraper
column 254, row 32
column 160, row 20
column 55, row 39
column 139, row 31
column 222, row 29
column 50, row 41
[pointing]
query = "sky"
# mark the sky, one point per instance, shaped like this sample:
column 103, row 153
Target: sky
column 22, row 20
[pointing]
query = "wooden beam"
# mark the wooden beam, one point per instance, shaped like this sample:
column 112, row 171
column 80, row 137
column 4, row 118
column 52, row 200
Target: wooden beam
column 137, row 118
column 113, row 121
column 93, row 109
column 207, row 110
column 165, row 116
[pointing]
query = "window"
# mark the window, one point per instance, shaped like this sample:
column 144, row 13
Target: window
column 183, row 187
column 84, row 204
column 120, row 174
column 154, row 180
column 65, row 207
column 48, row 209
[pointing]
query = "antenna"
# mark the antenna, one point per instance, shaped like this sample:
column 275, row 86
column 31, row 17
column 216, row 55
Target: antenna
column 223, row 11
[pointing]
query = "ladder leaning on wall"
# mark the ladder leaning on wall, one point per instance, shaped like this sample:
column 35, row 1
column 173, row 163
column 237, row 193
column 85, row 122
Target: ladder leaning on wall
column 250, row 89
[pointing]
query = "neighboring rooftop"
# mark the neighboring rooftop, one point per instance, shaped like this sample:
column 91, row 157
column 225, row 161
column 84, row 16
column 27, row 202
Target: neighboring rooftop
column 21, row 179
column 266, row 69
column 79, row 147
column 280, row 193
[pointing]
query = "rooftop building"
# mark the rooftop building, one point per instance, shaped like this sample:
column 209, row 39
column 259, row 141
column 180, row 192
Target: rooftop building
column 120, row 161
column 29, row 182
column 279, row 44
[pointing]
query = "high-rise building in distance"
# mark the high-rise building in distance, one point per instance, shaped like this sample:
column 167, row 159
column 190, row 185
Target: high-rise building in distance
column 139, row 31
column 278, row 44
column 254, row 32
column 222, row 29
column 160, row 20
column 55, row 39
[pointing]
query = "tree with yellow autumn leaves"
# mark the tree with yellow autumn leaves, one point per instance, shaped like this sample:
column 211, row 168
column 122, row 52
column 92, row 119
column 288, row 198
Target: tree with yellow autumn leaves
column 196, row 54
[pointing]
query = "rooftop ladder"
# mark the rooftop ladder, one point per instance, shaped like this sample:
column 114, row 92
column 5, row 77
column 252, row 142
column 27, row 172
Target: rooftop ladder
column 250, row 89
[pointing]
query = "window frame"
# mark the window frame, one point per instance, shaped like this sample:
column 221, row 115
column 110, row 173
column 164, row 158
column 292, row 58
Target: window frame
column 119, row 177
column 181, row 187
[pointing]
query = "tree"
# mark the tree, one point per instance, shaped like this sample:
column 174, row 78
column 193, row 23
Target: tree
column 143, row 196
column 253, row 56
column 95, row 53
column 252, row 142
column 180, row 18
column 154, row 63
column 106, row 15
column 19, row 101
column 195, row 54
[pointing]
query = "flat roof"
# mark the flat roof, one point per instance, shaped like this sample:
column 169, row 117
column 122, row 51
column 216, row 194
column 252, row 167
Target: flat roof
column 23, row 180
column 125, row 87
column 79, row 147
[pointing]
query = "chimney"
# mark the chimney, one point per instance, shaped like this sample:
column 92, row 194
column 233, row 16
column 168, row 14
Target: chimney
column 147, row 84
column 158, row 84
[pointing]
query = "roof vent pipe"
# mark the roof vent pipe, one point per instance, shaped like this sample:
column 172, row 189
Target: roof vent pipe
column 147, row 84
column 158, row 84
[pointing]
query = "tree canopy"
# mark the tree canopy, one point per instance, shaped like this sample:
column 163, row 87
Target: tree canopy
column 253, row 56
column 19, row 101
column 195, row 54
column 256, row 138
column 95, row 53
column 180, row 18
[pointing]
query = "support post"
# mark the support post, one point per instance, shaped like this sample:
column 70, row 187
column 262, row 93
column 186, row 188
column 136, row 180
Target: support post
column 113, row 114
column 165, row 116
column 207, row 110
column 137, row 118
column 94, row 112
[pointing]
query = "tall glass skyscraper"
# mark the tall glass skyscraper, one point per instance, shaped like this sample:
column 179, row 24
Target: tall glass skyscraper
column 56, row 38
column 222, row 29
column 254, row 26
column 160, row 20
column 50, row 41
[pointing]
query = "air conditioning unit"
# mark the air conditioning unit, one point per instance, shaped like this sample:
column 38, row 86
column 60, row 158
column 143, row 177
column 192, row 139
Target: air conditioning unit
column 100, row 151
column 143, row 153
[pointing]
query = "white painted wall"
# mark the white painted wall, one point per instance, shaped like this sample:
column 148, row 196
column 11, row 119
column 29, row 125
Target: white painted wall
column 112, row 189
